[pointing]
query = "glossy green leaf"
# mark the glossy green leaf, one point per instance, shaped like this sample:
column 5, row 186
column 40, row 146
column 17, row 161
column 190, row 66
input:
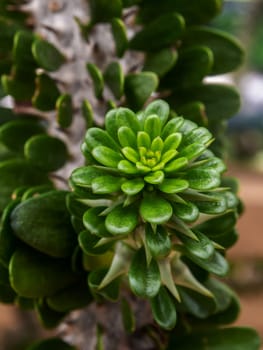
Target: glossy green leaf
column 36, row 275
column 155, row 177
column 192, row 151
column 15, row 133
column 73, row 297
column 160, row 62
column 203, row 179
column 158, row 242
column 187, row 211
column 87, row 112
column 144, row 279
column 173, row 185
column 215, row 264
column 227, row 51
column 155, row 209
column 43, row 222
column 47, row 55
column 217, row 204
column 203, row 248
column 200, row 134
column 160, row 33
column 163, row 309
column 120, row 36
column 127, row 137
column 138, row 88
column 94, row 222
column 97, row 137
column 64, row 107
column 46, row 93
column 46, row 152
column 106, row 156
column 133, row 186
column 194, row 303
column 175, row 165
column 104, row 11
column 84, row 175
column 106, row 184
column 51, row 344
column 172, row 126
column 233, row 338
column 122, row 220
column 114, row 78
column 97, row 79
column 9, row 179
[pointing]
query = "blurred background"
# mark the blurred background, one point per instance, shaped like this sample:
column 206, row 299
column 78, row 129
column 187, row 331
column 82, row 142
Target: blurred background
column 244, row 19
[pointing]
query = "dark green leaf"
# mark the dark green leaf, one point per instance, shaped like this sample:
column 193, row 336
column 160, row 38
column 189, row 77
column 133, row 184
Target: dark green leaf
column 160, row 62
column 139, row 87
column 73, row 297
column 163, row 309
column 215, row 264
column 104, row 11
column 144, row 279
column 9, row 179
column 46, row 152
column 35, row 275
column 20, row 89
column 173, row 185
column 193, row 65
column 47, row 55
column 162, row 32
column 106, row 184
column 89, row 243
column 97, row 79
column 158, row 242
column 7, row 237
column 120, row 36
column 198, row 13
column 43, row 222
column 64, row 109
column 203, row 179
column 127, row 316
column 15, row 133
column 46, row 93
column 216, row 108
column 202, row 248
column 21, row 52
column 227, row 51
column 114, row 78
column 87, row 112
column 133, row 186
column 94, row 222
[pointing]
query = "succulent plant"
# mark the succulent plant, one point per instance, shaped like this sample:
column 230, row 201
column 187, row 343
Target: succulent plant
column 149, row 183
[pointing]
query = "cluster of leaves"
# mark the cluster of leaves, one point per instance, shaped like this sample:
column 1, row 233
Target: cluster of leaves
column 150, row 209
